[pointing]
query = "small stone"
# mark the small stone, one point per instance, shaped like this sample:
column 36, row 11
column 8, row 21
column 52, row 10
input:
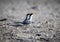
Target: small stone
column 50, row 29
column 38, row 34
column 13, row 9
column 56, row 8
column 38, row 26
column 34, row 7
column 44, row 39
column 52, row 25
column 57, row 16
column 54, row 35
column 46, row 22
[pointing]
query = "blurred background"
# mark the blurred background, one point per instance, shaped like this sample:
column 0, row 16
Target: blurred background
column 46, row 18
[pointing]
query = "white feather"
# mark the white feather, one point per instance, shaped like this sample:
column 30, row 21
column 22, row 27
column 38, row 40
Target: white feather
column 31, row 17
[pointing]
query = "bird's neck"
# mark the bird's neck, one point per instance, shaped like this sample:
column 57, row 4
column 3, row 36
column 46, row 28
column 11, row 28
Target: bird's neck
column 28, row 18
column 31, row 18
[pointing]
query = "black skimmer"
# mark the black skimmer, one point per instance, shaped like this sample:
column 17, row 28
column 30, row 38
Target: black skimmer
column 27, row 20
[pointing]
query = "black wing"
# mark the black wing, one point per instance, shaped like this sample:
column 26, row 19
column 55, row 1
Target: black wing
column 17, row 24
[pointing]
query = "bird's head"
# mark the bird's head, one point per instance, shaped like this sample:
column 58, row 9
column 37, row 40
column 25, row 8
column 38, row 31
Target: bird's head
column 29, row 16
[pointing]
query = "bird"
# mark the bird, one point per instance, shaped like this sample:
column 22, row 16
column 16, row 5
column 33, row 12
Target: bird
column 27, row 20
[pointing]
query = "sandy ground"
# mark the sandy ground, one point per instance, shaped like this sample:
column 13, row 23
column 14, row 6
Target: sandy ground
column 46, row 18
